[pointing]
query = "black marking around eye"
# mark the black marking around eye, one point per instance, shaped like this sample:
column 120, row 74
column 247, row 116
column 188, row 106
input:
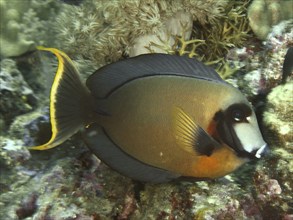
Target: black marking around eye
column 219, row 116
column 225, row 128
column 238, row 113
column 243, row 109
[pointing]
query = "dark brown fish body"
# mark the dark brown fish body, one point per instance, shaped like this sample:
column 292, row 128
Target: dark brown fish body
column 156, row 118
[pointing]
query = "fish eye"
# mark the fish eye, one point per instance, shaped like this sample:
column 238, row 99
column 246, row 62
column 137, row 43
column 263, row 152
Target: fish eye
column 238, row 115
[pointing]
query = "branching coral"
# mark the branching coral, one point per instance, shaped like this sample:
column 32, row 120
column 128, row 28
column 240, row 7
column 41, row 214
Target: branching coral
column 228, row 32
column 222, row 36
column 163, row 40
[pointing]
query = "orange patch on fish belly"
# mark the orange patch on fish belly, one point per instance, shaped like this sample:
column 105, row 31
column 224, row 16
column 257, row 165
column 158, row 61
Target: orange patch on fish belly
column 221, row 163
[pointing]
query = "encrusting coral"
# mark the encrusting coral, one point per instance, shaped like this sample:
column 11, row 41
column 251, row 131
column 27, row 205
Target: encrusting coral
column 263, row 14
column 279, row 112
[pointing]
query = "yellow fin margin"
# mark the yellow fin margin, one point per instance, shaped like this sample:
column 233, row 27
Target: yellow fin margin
column 55, row 140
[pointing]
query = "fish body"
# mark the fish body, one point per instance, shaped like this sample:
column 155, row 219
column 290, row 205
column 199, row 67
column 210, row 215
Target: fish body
column 288, row 65
column 72, row 2
column 149, row 119
column 156, row 117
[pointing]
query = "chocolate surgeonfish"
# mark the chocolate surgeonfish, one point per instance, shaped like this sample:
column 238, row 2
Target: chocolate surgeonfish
column 155, row 117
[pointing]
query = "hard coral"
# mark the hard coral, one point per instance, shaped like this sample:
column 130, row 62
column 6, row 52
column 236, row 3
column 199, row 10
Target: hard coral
column 263, row 14
column 24, row 24
column 279, row 112
column 11, row 43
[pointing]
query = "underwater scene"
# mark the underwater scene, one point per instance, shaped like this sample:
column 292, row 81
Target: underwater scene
column 146, row 109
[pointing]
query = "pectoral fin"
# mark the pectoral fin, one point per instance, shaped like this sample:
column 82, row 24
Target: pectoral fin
column 190, row 136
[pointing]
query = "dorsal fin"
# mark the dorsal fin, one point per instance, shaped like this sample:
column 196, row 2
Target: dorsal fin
column 108, row 78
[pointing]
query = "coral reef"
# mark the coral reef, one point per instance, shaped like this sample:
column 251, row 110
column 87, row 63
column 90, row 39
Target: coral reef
column 32, row 128
column 70, row 183
column 192, row 201
column 68, row 188
column 179, row 24
column 12, row 152
column 211, row 42
column 279, row 112
column 105, row 31
column 15, row 94
column 230, row 31
column 262, row 63
column 270, row 196
column 263, row 14
column 17, row 34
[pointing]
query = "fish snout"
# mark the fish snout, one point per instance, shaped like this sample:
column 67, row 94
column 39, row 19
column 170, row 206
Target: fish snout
column 262, row 151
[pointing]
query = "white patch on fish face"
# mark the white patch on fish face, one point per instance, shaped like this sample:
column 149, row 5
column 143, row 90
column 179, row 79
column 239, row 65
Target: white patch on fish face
column 249, row 136
column 238, row 128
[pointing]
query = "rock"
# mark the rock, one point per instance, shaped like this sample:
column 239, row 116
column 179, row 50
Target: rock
column 16, row 96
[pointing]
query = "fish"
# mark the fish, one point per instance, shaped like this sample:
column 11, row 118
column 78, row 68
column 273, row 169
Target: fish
column 287, row 65
column 72, row 2
column 155, row 117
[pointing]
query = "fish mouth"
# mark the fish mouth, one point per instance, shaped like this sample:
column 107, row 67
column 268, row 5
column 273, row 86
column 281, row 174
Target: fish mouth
column 257, row 153
column 261, row 151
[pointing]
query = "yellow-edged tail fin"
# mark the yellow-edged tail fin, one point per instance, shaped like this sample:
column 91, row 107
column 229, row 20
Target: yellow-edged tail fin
column 69, row 101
